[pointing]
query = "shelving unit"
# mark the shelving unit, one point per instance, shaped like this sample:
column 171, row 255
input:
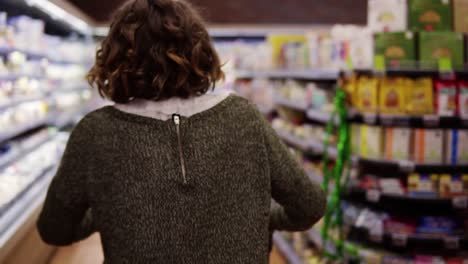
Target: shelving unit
column 301, row 74
column 286, row 250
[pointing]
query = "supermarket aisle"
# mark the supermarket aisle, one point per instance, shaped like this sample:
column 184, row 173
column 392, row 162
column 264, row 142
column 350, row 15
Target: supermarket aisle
column 89, row 252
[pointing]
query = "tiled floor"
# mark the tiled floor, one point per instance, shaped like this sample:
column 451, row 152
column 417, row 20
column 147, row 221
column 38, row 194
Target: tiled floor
column 89, row 252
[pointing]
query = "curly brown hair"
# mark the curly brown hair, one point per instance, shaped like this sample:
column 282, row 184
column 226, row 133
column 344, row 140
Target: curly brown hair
column 155, row 49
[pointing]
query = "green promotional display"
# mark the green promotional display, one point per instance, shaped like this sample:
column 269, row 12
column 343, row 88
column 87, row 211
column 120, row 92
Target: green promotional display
column 398, row 48
column 430, row 15
column 434, row 46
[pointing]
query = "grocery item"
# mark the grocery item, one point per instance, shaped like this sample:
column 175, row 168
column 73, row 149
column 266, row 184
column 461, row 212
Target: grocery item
column 392, row 96
column 423, row 185
column 391, row 186
column 371, row 142
column 436, row 225
column 397, row 47
column 420, row 96
column 368, row 94
column 460, row 11
column 289, row 51
column 428, row 146
column 397, row 143
column 463, row 99
column 436, row 45
column 450, row 185
column 456, row 146
column 446, row 102
column 387, row 15
column 430, row 15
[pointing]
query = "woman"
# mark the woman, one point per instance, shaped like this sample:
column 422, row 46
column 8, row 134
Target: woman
column 173, row 172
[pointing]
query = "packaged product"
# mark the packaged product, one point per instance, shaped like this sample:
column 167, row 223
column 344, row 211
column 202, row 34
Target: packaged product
column 456, row 146
column 397, row 143
column 391, row 186
column 392, row 96
column 368, row 94
column 465, row 183
column 423, row 185
column 420, row 96
column 355, row 138
column 463, row 99
column 436, row 226
column 460, row 11
column 371, row 142
column 400, row 225
column 350, row 85
column 289, row 51
column 450, row 185
column 428, row 146
column 436, row 45
column 398, row 48
column 387, row 15
column 430, row 15
column 446, row 102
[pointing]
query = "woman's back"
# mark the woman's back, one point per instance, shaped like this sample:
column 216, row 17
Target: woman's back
column 184, row 189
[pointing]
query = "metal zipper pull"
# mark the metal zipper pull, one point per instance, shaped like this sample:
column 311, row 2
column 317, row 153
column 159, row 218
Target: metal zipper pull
column 176, row 120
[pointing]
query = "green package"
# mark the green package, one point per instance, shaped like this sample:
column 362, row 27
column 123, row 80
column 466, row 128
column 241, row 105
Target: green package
column 398, row 48
column 436, row 45
column 430, row 15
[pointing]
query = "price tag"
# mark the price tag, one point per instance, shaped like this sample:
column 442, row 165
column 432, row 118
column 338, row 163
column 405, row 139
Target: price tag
column 406, row 166
column 452, row 242
column 460, row 202
column 386, row 120
column 446, row 69
column 431, row 120
column 373, row 195
column 370, row 118
column 399, row 240
column 464, row 122
column 379, row 64
column 376, row 236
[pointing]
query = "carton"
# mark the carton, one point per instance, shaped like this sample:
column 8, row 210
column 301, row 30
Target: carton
column 436, row 45
column 397, row 143
column 430, row 15
column 460, row 15
column 387, row 15
column 428, row 146
column 456, row 146
column 398, row 48
column 371, row 142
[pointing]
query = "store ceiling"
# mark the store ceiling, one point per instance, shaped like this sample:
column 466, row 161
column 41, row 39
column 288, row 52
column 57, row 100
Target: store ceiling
column 254, row 11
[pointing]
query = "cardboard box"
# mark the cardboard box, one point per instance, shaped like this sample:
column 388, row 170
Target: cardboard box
column 387, row 15
column 460, row 15
column 428, row 146
column 397, row 143
column 456, row 146
column 436, row 45
column 371, row 142
column 398, row 48
column 430, row 15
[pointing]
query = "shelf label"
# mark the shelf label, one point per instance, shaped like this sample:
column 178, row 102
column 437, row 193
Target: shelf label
column 399, row 240
column 452, row 242
column 406, row 166
column 386, row 120
column 373, row 195
column 431, row 120
column 370, row 118
column 445, row 65
column 464, row 122
column 460, row 202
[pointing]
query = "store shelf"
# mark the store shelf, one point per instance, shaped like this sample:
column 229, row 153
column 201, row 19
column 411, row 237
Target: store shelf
column 307, row 146
column 36, row 56
column 406, row 205
column 13, row 77
column 290, row 104
column 376, row 166
column 409, row 243
column 19, row 100
column 286, row 250
column 24, row 205
column 19, row 152
column 70, row 117
column 22, row 129
column 319, row 116
column 312, row 74
column 425, row 121
column 408, row 72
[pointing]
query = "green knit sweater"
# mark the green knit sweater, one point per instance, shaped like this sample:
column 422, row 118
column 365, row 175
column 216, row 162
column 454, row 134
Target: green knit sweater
column 185, row 190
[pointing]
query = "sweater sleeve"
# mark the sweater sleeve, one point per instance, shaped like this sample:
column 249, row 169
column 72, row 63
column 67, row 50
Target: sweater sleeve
column 300, row 202
column 66, row 216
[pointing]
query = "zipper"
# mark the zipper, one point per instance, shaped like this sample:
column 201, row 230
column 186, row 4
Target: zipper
column 176, row 120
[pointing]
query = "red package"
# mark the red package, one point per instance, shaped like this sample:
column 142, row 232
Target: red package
column 446, row 101
column 463, row 99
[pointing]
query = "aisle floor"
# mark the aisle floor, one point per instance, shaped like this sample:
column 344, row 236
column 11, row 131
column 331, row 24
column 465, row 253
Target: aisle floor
column 89, row 252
